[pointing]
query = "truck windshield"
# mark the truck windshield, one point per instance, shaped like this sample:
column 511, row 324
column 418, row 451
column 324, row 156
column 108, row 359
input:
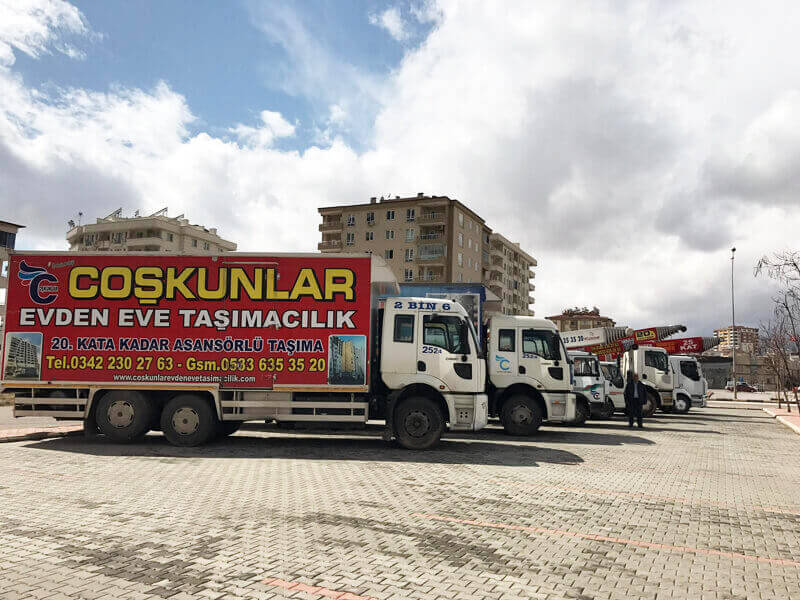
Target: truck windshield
column 689, row 369
column 445, row 332
column 542, row 343
column 585, row 366
column 658, row 360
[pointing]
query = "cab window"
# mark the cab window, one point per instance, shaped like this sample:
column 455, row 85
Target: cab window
column 445, row 332
column 541, row 343
column 404, row 328
column 585, row 366
column 658, row 360
column 689, row 369
column 505, row 340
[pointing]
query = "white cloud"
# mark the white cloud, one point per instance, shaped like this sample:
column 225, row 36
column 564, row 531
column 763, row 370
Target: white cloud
column 392, row 21
column 273, row 126
column 627, row 146
column 33, row 27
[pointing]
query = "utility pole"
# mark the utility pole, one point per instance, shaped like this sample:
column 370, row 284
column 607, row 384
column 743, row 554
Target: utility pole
column 733, row 329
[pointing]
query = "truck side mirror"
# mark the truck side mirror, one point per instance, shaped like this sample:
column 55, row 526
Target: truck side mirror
column 644, row 375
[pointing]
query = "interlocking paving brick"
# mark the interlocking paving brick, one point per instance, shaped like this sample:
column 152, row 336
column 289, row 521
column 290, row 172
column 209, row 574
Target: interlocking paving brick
column 336, row 513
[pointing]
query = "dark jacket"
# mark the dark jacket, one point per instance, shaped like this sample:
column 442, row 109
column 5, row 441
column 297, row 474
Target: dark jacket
column 642, row 391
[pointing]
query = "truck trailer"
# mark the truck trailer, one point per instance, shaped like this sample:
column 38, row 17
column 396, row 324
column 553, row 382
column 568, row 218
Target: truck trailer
column 195, row 345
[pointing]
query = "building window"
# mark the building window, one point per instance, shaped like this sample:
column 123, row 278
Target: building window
column 460, row 259
column 460, row 277
column 469, row 262
column 350, row 239
column 390, row 234
column 388, row 254
column 409, row 254
column 410, row 235
column 351, row 220
column 408, row 275
column 370, row 218
column 170, row 237
column 7, row 239
column 370, row 235
column 390, row 215
column 460, row 240
column 461, row 219
column 205, row 246
column 404, row 328
column 194, row 243
column 411, row 214
column 469, row 243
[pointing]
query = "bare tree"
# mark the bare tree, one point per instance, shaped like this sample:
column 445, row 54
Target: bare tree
column 772, row 341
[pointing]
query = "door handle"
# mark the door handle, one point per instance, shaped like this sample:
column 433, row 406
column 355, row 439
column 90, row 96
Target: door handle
column 420, row 365
column 521, row 370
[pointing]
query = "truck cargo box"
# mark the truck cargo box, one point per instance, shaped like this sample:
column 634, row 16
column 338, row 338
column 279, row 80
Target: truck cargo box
column 280, row 321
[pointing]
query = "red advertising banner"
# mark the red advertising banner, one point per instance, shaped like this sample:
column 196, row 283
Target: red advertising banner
column 235, row 320
column 690, row 345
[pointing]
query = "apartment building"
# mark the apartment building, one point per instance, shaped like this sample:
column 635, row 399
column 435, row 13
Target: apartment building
column 743, row 338
column 156, row 232
column 432, row 239
column 8, row 239
column 573, row 319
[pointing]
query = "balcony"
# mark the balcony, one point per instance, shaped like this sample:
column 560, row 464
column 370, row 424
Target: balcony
column 424, row 238
column 429, row 218
column 140, row 242
column 330, row 226
column 329, row 245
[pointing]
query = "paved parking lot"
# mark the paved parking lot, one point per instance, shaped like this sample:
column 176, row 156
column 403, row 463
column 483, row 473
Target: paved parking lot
column 704, row 505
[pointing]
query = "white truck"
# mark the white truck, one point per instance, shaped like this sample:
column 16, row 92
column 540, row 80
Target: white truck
column 690, row 386
column 652, row 365
column 529, row 375
column 589, row 386
column 615, row 384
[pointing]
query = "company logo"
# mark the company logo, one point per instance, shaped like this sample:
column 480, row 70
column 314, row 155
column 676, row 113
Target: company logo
column 503, row 363
column 42, row 286
column 689, row 346
column 647, row 334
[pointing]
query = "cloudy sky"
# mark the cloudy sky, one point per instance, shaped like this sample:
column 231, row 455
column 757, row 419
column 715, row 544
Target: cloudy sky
column 626, row 145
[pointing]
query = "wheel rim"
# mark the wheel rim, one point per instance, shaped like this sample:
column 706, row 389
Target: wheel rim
column 649, row 406
column 120, row 414
column 521, row 415
column 185, row 421
column 417, row 424
column 680, row 404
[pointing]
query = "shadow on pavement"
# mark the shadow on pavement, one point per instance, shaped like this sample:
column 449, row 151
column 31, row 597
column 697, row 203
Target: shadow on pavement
column 360, row 448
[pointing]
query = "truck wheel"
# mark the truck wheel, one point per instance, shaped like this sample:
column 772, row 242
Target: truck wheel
column 188, row 420
column 607, row 410
column 521, row 415
column 124, row 415
column 649, row 407
column 582, row 411
column 418, row 423
column 682, row 405
column 226, row 428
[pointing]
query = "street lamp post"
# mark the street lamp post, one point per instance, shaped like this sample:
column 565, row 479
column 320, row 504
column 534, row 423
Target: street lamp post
column 733, row 329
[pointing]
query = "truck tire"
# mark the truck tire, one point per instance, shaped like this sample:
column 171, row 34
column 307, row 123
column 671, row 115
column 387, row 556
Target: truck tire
column 607, row 410
column 649, row 407
column 582, row 411
column 188, row 420
column 682, row 404
column 521, row 415
column 418, row 423
column 226, row 428
column 124, row 415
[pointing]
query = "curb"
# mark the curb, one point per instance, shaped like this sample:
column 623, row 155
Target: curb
column 40, row 434
column 791, row 421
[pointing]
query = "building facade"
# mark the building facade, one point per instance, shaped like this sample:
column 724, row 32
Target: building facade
column 8, row 240
column 572, row 319
column 742, row 338
column 156, row 232
column 432, row 239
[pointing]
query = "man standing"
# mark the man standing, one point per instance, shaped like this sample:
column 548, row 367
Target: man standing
column 635, row 395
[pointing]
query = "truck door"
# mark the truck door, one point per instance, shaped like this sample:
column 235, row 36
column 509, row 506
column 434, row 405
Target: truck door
column 448, row 353
column 540, row 359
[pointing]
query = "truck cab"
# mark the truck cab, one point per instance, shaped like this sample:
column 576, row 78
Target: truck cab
column 429, row 356
column 589, row 384
column 529, row 374
column 651, row 364
column 691, row 386
column 615, row 384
